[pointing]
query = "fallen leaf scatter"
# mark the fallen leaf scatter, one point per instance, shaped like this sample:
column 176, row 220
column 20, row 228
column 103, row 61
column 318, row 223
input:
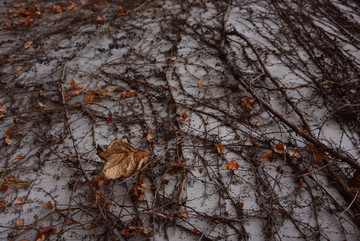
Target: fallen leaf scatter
column 48, row 205
column 121, row 159
column 15, row 182
column 75, row 87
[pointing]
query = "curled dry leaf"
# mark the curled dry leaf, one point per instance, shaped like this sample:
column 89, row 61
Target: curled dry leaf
column 75, row 89
column 294, row 153
column 139, row 190
column 201, row 84
column 48, row 205
column 315, row 152
column 19, row 223
column 4, row 187
column 27, row 44
column 92, row 95
column 43, row 106
column 232, row 165
column 15, row 182
column 121, row 159
column 19, row 200
column 127, row 94
column 279, row 148
column 247, row 103
column 2, row 203
column 219, row 147
column 267, row 155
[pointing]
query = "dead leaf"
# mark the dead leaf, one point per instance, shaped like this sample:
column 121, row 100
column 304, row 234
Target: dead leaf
column 44, row 107
column 201, row 84
column 43, row 232
column 267, row 155
column 178, row 165
column 315, row 152
column 132, row 231
column 98, row 195
column 247, row 103
column 183, row 215
column 100, row 18
column 19, row 200
column 149, row 138
column 75, row 89
column 121, row 159
column 48, row 205
column 56, row 9
column 7, row 137
column 219, row 147
column 279, row 148
column 127, row 94
column 254, row 143
column 27, row 44
column 2, row 203
column 139, row 190
column 4, row 187
column 294, row 153
column 20, row 133
column 18, row 69
column 254, row 123
column 20, row 223
column 232, row 165
column 73, row 82
column 92, row 95
column 15, row 182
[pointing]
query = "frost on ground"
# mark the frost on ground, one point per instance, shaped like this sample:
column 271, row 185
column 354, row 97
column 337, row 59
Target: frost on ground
column 249, row 111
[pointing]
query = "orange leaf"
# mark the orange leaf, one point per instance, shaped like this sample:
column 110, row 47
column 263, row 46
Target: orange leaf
column 317, row 153
column 201, row 84
column 201, row 170
column 268, row 154
column 75, row 89
column 19, row 200
column 18, row 69
column 219, row 147
column 8, row 132
column 150, row 137
column 2, row 203
column 20, row 223
column 184, row 115
column 279, row 148
column 70, row 222
column 19, row 157
column 92, row 95
column 44, row 107
column 128, row 94
column 247, row 103
column 178, row 165
column 294, row 153
column 48, row 205
column 20, row 133
column 232, row 165
column 27, row 44
column 73, row 82
column 254, row 142
column 4, row 187
column 56, row 9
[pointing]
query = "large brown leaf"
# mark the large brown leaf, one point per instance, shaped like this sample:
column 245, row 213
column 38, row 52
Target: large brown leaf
column 121, row 159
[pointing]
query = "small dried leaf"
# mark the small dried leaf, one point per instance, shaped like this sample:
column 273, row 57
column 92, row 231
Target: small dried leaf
column 27, row 44
column 56, row 9
column 178, row 165
column 317, row 153
column 201, row 170
column 92, row 95
column 232, row 165
column 2, row 203
column 149, row 138
column 18, row 69
column 279, row 148
column 15, row 182
column 44, row 107
column 128, row 94
column 20, row 223
column 183, row 215
column 7, row 140
column 219, row 147
column 75, row 89
column 247, row 103
column 4, row 187
column 254, row 123
column 121, row 160
column 139, row 190
column 19, row 200
column 20, row 133
column 100, row 18
column 201, row 83
column 254, row 143
column 48, row 205
column 268, row 154
column 73, row 82
column 294, row 153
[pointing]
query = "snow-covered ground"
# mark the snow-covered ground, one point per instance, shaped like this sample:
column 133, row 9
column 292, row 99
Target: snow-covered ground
column 230, row 98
